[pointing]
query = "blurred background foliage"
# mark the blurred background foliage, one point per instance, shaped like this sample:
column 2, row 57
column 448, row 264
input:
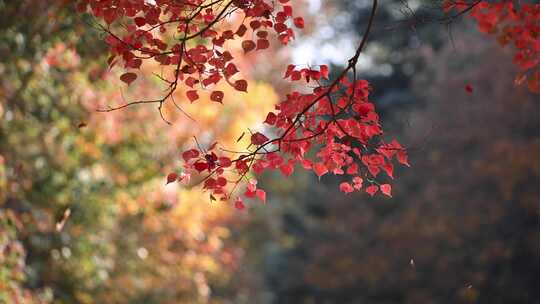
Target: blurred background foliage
column 463, row 226
column 129, row 238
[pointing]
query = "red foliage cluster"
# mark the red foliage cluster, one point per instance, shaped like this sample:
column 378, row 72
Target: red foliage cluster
column 332, row 129
column 514, row 22
column 201, row 64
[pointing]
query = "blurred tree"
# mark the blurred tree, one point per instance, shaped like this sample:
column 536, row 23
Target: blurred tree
column 96, row 224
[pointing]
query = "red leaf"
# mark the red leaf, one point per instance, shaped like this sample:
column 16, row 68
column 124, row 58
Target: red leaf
column 262, row 44
column 353, row 169
column 271, row 119
column 171, row 177
column 389, row 169
column 371, row 190
column 259, row 166
column 324, row 71
column 225, row 162
column 374, row 170
column 210, row 183
column 189, row 154
column 241, row 30
column 230, row 70
column 320, row 169
column 239, row 204
column 287, row 169
column 134, row 63
column 299, row 22
column 280, row 27
column 128, row 77
column 307, row 164
column 386, row 189
column 192, row 95
column 287, row 10
column 221, row 181
column 290, row 69
column 217, row 96
column 358, row 181
column 140, row 21
column 255, row 24
column 248, row 46
column 190, row 81
column 200, row 166
column 296, row 75
column 241, row 85
column 262, row 34
column 346, row 188
column 403, row 158
column 258, row 139
column 261, row 195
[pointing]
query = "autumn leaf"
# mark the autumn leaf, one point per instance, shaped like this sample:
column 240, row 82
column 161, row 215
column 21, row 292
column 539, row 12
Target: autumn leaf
column 324, row 71
column 258, row 139
column 190, row 154
column 346, row 188
column 320, row 169
column 357, row 182
column 371, row 190
column 403, row 158
column 262, row 44
column 241, row 85
column 171, row 177
column 386, row 189
column 224, row 162
column 287, row 169
column 299, row 22
column 261, row 194
column 200, row 166
column 217, row 96
column 128, row 77
column 248, row 46
column 192, row 95
column 239, row 204
column 271, row 118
